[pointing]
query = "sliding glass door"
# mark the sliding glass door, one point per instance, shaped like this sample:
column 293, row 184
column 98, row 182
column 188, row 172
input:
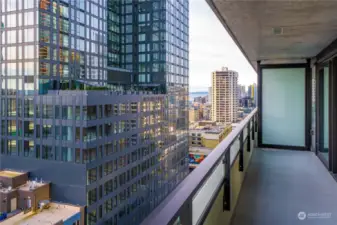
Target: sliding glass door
column 323, row 94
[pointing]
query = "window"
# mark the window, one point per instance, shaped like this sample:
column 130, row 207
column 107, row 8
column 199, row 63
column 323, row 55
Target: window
column 29, row 68
column 11, row 5
column 28, row 35
column 28, row 4
column 11, row 147
column 77, row 155
column 67, row 133
column 28, row 128
column 108, row 187
column 28, row 108
column 108, row 129
column 89, row 134
column 108, row 167
column 141, row 37
column 47, row 131
column 108, row 149
column 108, row 206
column 80, row 30
column 89, row 155
column 91, row 175
column 28, row 18
column 11, row 36
column 89, row 112
column 92, row 196
column 11, row 20
column 11, row 53
column 11, row 107
column 45, row 19
column 67, row 112
column 12, row 128
column 108, row 110
column 28, row 148
column 47, row 152
column 66, row 154
column 64, row 11
column 92, row 218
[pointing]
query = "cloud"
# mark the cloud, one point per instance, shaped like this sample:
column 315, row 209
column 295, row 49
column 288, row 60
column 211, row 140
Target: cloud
column 211, row 48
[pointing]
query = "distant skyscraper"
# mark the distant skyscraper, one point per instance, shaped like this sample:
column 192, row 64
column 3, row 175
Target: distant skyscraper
column 210, row 94
column 252, row 93
column 241, row 91
column 255, row 94
column 225, row 95
column 249, row 92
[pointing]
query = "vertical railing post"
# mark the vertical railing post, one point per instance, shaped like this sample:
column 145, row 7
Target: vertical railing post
column 256, row 130
column 226, row 201
column 248, row 137
column 253, row 128
column 241, row 152
column 185, row 215
column 256, row 118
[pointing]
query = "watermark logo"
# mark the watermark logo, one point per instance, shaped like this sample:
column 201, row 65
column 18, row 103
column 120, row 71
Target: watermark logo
column 302, row 215
column 317, row 215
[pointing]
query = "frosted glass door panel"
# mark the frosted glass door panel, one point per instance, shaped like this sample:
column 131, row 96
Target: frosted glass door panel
column 283, row 106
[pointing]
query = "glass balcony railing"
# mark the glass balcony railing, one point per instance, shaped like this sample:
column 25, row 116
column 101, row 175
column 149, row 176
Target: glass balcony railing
column 214, row 185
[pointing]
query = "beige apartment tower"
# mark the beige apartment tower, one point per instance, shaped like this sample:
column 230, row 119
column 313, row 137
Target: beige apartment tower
column 225, row 96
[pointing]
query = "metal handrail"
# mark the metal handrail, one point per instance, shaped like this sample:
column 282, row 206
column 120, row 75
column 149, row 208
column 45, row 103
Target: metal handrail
column 169, row 209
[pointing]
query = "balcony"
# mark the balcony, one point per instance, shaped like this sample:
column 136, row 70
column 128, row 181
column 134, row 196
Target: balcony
column 240, row 183
column 279, row 165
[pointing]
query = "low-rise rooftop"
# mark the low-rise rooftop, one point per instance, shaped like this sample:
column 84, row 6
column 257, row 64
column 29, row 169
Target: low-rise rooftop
column 55, row 213
column 200, row 150
column 9, row 174
column 32, row 185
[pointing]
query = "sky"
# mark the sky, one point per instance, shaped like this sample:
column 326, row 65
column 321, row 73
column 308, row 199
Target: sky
column 212, row 48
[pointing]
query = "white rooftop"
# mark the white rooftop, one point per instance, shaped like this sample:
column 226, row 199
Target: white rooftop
column 52, row 215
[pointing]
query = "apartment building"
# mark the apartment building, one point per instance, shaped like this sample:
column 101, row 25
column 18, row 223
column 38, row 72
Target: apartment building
column 224, row 96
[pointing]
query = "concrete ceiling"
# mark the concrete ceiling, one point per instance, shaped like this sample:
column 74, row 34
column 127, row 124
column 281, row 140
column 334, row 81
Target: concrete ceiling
column 279, row 29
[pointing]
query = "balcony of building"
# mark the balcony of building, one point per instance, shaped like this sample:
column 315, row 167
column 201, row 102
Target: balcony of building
column 279, row 165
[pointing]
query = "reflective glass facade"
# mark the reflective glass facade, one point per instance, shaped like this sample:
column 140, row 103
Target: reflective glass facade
column 117, row 148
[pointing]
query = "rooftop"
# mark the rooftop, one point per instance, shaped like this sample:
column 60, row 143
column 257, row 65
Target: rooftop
column 217, row 129
column 55, row 213
column 198, row 150
column 28, row 186
column 9, row 174
column 31, row 185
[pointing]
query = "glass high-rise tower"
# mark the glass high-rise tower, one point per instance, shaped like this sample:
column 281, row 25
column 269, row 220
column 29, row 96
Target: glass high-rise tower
column 94, row 97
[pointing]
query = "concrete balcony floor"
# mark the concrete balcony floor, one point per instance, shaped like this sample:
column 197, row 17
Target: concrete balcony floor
column 281, row 183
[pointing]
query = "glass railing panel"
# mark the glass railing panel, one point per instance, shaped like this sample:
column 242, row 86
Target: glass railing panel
column 235, row 148
column 245, row 132
column 203, row 197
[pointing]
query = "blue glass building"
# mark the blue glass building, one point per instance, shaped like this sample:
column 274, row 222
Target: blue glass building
column 94, row 99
